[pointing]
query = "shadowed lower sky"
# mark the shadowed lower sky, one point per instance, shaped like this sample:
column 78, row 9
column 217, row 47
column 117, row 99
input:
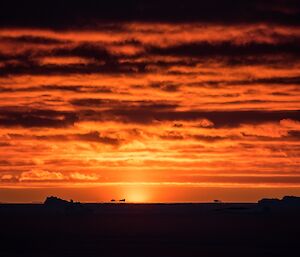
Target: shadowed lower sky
column 151, row 101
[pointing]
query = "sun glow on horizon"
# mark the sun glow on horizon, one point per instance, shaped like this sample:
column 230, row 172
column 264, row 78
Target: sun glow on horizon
column 138, row 195
column 149, row 111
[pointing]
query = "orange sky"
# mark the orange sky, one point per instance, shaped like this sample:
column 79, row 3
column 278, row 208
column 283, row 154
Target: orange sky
column 150, row 112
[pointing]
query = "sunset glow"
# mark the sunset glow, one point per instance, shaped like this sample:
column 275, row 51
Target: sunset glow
column 150, row 110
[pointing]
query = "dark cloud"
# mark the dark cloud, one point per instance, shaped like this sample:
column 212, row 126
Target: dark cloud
column 98, row 59
column 95, row 102
column 275, row 80
column 254, row 102
column 16, row 163
column 51, row 69
column 218, row 118
column 28, row 65
column 33, row 40
column 295, row 134
column 91, row 137
column 165, row 86
column 20, row 57
column 70, row 88
column 5, row 144
column 97, row 138
column 141, row 112
column 289, row 80
column 212, row 139
column 125, row 104
column 88, row 51
column 77, row 89
column 37, row 118
column 227, row 49
column 172, row 135
column 58, row 14
column 95, row 52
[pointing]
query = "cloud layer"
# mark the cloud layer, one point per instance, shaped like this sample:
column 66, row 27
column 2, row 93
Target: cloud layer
column 146, row 93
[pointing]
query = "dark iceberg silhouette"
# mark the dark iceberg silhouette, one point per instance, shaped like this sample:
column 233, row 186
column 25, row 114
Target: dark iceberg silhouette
column 55, row 201
column 66, row 228
column 292, row 201
column 68, row 207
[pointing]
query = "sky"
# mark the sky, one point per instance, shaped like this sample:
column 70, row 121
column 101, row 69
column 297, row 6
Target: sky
column 152, row 101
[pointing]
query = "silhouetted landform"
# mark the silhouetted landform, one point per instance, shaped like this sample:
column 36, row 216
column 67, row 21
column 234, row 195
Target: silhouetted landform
column 286, row 200
column 291, row 200
column 286, row 203
column 56, row 228
column 121, row 200
column 69, row 207
column 268, row 201
column 55, row 201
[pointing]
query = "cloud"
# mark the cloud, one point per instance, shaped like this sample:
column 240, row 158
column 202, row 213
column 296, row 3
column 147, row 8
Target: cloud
column 290, row 124
column 49, row 88
column 84, row 177
column 96, row 137
column 88, row 51
column 147, row 105
column 90, row 137
column 164, row 86
column 61, row 15
column 36, row 40
column 36, row 118
column 231, row 53
column 218, row 118
column 7, row 177
column 200, row 93
column 49, row 176
column 98, row 58
column 41, row 175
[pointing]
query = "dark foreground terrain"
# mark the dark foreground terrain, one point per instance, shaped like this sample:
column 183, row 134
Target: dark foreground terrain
column 152, row 230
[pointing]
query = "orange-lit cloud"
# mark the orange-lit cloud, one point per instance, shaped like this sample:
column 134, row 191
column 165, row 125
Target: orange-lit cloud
column 151, row 104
